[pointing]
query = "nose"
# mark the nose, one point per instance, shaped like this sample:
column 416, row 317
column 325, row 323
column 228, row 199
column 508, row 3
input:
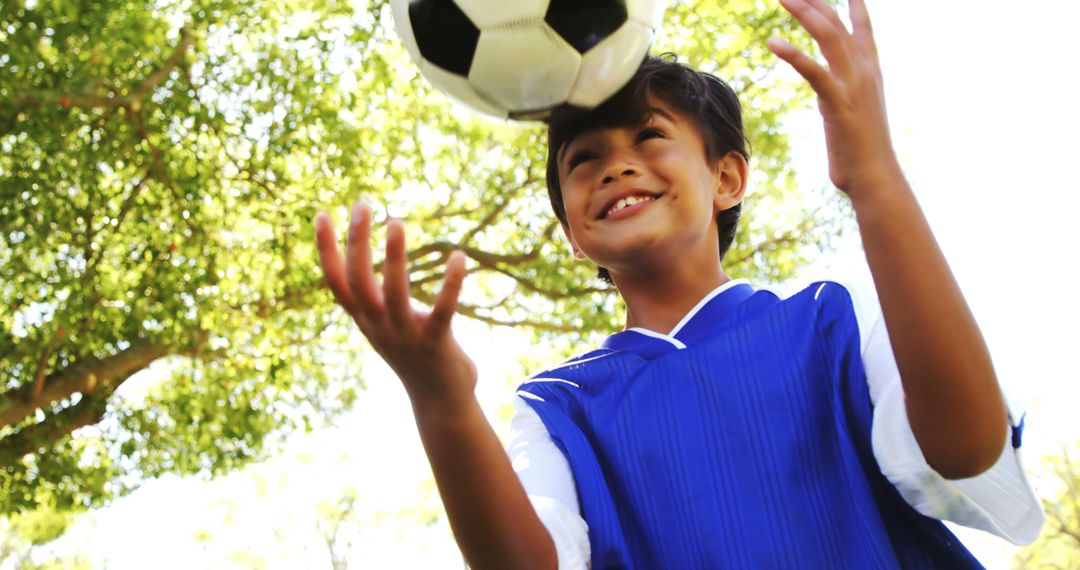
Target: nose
column 618, row 167
column 609, row 178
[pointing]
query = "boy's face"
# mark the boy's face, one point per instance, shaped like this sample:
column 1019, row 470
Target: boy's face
column 647, row 191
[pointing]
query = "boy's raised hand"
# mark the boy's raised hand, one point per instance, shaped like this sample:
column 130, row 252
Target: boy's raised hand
column 418, row 345
column 491, row 516
column 954, row 403
column 850, row 92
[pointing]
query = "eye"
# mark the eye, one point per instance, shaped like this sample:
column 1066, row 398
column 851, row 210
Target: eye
column 579, row 157
column 649, row 133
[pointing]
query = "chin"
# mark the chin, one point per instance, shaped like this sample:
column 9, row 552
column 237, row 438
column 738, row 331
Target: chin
column 632, row 252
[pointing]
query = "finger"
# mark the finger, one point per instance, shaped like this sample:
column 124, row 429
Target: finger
column 829, row 13
column 396, row 275
column 359, row 273
column 331, row 262
column 829, row 32
column 861, row 27
column 446, row 302
column 818, row 77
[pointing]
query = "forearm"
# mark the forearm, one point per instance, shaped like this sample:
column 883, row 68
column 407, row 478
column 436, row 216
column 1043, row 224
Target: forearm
column 491, row 516
column 953, row 399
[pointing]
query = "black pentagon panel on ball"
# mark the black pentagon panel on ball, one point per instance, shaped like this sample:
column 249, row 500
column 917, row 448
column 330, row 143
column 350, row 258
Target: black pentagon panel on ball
column 585, row 23
column 444, row 34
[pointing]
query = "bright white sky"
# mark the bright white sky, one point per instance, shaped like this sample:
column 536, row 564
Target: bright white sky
column 982, row 102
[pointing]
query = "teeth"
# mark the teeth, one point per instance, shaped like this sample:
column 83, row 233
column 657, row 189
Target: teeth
column 628, row 201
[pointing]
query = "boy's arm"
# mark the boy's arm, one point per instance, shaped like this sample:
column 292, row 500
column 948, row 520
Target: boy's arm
column 493, row 522
column 954, row 403
column 953, row 399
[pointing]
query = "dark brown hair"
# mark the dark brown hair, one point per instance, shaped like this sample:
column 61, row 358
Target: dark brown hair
column 705, row 99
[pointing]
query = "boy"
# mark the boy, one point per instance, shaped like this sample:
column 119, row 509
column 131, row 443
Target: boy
column 724, row 427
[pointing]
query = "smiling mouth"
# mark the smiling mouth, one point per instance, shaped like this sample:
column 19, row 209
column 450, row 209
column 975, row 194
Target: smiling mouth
column 624, row 203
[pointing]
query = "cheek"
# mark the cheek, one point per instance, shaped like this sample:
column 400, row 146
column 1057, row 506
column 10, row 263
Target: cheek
column 579, row 177
column 574, row 205
column 670, row 154
column 575, row 186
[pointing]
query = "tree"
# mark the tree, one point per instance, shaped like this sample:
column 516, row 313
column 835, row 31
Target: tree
column 22, row 535
column 1058, row 547
column 344, row 519
column 160, row 165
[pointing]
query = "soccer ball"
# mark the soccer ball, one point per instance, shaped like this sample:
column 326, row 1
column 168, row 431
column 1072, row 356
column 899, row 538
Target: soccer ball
column 519, row 59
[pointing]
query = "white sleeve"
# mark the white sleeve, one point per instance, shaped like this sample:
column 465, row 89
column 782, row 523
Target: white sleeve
column 1000, row 500
column 545, row 474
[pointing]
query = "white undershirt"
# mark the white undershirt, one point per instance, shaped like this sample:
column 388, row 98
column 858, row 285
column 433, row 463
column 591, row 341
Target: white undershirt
column 1000, row 500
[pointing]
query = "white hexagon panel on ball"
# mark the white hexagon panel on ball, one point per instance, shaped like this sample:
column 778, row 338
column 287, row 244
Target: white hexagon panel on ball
column 524, row 69
column 460, row 89
column 488, row 14
column 610, row 64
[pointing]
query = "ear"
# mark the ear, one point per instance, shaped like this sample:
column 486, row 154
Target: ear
column 731, row 177
column 573, row 244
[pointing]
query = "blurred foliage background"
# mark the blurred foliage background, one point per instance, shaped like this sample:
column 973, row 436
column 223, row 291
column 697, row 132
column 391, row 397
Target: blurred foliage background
column 161, row 162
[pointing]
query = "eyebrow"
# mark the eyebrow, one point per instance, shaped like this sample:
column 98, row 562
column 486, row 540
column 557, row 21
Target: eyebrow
column 649, row 112
column 658, row 111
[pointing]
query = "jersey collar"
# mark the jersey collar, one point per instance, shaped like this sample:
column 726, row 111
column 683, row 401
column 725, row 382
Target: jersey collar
column 695, row 325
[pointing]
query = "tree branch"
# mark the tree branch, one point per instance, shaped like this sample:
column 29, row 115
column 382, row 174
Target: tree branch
column 472, row 312
column 791, row 238
column 157, row 166
column 95, row 258
column 484, row 257
column 546, row 293
column 486, row 221
column 39, row 374
column 134, row 97
column 498, row 209
column 1060, row 528
column 33, row 438
column 151, row 81
column 82, row 376
column 291, row 298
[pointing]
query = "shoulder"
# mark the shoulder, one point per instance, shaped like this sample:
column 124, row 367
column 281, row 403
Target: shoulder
column 573, row 363
column 847, row 291
column 565, row 380
column 838, row 289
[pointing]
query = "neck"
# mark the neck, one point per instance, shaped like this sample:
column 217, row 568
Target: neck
column 658, row 300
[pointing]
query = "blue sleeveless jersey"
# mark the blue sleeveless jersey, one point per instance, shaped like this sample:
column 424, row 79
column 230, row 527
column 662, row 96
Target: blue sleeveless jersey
column 745, row 443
